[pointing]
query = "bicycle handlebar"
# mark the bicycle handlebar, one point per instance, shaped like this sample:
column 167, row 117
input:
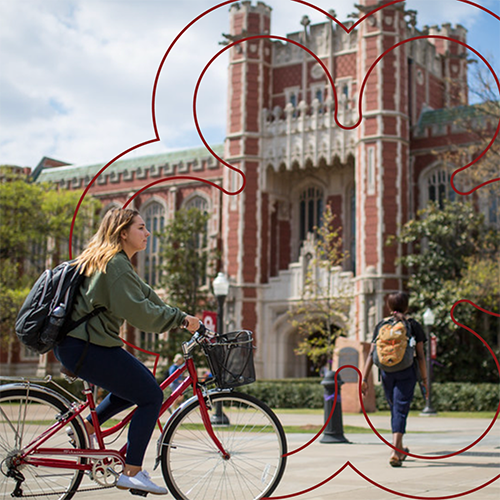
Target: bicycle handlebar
column 201, row 335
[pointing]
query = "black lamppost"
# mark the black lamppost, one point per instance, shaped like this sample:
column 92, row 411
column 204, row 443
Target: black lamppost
column 428, row 322
column 221, row 289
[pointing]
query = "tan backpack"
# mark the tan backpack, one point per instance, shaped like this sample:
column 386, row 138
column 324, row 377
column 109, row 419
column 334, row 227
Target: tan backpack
column 394, row 346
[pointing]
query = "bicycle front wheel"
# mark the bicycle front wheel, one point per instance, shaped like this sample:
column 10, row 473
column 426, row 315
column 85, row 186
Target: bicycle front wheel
column 250, row 433
column 26, row 411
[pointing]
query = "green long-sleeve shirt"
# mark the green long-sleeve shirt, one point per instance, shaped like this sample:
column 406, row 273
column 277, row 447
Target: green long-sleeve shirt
column 125, row 297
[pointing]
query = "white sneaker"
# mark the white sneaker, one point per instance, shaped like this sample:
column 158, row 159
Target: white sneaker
column 141, row 481
column 71, row 435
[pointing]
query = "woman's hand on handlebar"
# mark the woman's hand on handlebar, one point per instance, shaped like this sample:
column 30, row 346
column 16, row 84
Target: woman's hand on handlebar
column 191, row 323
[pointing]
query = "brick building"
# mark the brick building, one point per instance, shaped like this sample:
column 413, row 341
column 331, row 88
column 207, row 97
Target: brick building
column 301, row 149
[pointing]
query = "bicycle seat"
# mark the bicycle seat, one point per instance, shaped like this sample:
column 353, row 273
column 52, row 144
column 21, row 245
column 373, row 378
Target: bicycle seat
column 68, row 374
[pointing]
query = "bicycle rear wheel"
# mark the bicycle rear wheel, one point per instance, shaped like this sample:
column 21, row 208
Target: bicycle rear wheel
column 193, row 467
column 26, row 411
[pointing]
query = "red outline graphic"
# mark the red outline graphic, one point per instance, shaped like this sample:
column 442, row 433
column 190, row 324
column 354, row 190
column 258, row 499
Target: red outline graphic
column 424, row 457
column 198, row 128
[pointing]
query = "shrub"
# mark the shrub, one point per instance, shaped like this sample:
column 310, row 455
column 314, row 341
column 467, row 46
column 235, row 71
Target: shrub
column 308, row 393
column 289, row 393
column 452, row 396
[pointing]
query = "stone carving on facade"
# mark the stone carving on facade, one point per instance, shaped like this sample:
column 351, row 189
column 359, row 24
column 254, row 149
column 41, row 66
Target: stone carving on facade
column 285, row 139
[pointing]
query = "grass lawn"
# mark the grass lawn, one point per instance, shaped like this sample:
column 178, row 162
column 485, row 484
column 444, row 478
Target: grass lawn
column 444, row 414
column 447, row 414
column 350, row 429
column 314, row 429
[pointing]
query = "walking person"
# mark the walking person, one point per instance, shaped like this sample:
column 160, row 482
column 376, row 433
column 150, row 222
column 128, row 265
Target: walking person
column 398, row 384
column 178, row 360
column 94, row 350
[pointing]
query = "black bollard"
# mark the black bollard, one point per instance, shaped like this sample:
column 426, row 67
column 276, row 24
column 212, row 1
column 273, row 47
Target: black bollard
column 334, row 431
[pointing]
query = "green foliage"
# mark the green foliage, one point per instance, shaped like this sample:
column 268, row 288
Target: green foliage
column 188, row 267
column 452, row 396
column 309, row 393
column 319, row 314
column 34, row 233
column 288, row 393
column 20, row 211
column 455, row 255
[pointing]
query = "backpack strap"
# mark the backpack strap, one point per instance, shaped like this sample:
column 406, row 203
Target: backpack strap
column 75, row 324
column 409, row 329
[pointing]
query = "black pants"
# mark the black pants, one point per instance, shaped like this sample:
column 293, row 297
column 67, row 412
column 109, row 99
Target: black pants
column 129, row 383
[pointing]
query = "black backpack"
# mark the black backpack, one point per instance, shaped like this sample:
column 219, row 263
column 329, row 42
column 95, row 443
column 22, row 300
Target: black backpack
column 44, row 320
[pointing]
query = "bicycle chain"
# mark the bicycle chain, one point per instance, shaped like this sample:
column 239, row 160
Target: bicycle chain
column 63, row 492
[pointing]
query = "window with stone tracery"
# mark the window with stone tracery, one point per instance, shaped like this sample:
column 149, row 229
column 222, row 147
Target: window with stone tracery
column 200, row 240
column 154, row 217
column 311, row 204
column 437, row 187
column 489, row 204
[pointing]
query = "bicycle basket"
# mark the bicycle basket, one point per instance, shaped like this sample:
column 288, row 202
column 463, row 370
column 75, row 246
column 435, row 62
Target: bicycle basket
column 231, row 359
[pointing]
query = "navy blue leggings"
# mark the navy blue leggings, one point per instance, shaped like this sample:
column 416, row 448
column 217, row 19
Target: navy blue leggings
column 399, row 388
column 129, row 383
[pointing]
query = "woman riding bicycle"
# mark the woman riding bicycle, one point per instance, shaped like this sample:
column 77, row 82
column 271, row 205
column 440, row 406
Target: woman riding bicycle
column 95, row 349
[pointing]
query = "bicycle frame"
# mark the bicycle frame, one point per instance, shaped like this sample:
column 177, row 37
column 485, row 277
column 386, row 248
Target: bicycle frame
column 35, row 454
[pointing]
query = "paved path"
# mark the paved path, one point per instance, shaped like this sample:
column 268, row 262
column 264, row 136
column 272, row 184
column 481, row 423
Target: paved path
column 429, row 436
column 418, row 478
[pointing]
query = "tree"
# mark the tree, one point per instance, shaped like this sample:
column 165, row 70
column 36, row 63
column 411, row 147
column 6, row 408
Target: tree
column 322, row 309
column 188, row 268
column 455, row 255
column 35, row 221
column 479, row 121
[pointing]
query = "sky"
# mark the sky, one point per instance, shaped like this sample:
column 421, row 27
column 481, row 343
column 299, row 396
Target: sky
column 76, row 76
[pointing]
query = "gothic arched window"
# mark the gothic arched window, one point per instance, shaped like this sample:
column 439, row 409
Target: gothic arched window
column 437, row 187
column 310, row 210
column 198, row 202
column 154, row 216
column 200, row 240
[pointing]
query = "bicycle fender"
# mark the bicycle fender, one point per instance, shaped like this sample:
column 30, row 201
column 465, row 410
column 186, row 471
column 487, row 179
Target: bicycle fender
column 29, row 386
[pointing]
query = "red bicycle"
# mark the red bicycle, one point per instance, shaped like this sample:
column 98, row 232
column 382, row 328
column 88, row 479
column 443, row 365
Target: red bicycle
column 219, row 444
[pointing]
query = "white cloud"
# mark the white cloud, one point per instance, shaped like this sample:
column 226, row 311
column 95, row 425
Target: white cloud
column 77, row 76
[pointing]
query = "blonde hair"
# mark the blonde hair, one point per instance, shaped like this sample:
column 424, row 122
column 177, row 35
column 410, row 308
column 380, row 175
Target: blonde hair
column 107, row 242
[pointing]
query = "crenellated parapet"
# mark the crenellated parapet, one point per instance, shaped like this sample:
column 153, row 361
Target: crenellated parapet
column 246, row 7
column 322, row 39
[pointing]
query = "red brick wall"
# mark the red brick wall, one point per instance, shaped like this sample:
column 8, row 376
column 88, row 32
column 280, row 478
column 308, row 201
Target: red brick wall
column 252, row 101
column 345, row 65
column 250, row 223
column 287, row 76
column 235, row 116
column 436, row 93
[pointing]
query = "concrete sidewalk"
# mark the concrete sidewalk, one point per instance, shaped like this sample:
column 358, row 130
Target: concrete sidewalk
column 426, row 477
column 418, row 478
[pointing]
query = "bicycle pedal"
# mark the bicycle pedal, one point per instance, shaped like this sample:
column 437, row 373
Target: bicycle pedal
column 140, row 493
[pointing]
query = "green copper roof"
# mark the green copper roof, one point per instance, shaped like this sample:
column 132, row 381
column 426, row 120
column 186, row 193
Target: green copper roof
column 184, row 156
column 448, row 115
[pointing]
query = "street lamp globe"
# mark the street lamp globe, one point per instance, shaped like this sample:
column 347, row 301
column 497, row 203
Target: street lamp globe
column 429, row 317
column 221, row 285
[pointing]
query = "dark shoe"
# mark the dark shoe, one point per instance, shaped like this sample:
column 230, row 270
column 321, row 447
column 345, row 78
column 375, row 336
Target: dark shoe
column 403, row 457
column 395, row 462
